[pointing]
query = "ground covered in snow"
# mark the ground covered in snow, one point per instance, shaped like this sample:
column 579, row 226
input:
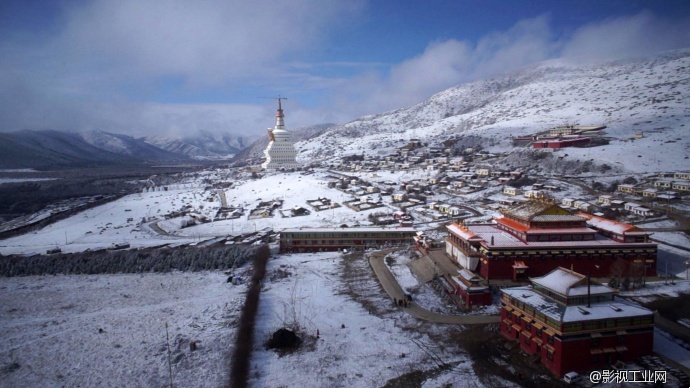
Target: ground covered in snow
column 363, row 340
column 110, row 330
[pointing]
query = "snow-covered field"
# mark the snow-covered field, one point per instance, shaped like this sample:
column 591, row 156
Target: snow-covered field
column 362, row 343
column 109, row 330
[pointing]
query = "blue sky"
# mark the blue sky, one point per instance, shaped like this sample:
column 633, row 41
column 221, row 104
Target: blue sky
column 178, row 67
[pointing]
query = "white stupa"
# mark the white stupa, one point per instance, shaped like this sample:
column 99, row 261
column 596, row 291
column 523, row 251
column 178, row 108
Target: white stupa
column 280, row 152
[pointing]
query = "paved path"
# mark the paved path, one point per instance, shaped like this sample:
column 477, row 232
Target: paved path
column 391, row 286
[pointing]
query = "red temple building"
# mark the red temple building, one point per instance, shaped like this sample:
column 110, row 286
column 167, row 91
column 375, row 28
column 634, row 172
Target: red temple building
column 574, row 325
column 536, row 237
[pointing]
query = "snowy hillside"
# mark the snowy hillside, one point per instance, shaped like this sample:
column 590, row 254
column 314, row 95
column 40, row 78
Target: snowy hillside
column 127, row 145
column 202, row 146
column 647, row 95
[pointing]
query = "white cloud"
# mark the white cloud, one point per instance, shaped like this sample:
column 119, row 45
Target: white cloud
column 108, row 59
column 207, row 41
column 448, row 63
column 106, row 54
column 452, row 62
column 624, row 37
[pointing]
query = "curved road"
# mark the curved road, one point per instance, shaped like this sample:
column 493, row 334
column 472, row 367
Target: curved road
column 391, row 286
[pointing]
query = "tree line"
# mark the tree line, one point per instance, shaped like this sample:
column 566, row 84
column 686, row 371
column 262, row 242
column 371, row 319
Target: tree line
column 190, row 259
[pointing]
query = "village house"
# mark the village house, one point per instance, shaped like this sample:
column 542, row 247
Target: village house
column 573, row 324
column 605, row 200
column 682, row 175
column 567, row 202
column 681, row 186
column 583, row 205
column 458, row 184
column 650, row 193
column 626, row 188
column 643, row 211
column 663, row 183
column 510, row 190
column 533, row 193
column 483, row 171
column 629, row 206
column 559, row 131
column 638, row 209
column 399, row 197
column 667, row 196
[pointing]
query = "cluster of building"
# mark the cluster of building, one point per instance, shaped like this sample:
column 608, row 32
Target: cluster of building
column 562, row 318
column 562, row 137
column 533, row 238
column 571, row 324
column 667, row 188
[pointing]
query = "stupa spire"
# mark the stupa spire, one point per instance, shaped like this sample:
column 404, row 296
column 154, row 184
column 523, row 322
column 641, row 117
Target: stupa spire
column 280, row 117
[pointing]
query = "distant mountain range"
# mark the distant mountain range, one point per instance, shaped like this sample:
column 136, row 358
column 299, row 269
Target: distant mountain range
column 204, row 146
column 49, row 149
column 644, row 103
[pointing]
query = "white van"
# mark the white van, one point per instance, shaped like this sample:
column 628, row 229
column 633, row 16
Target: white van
column 572, row 377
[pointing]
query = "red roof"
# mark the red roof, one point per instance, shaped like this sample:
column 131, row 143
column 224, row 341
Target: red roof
column 512, row 224
column 610, row 225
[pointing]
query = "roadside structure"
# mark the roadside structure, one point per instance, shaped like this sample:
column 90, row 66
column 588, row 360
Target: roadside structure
column 280, row 152
column 335, row 239
column 534, row 238
column 469, row 287
column 575, row 325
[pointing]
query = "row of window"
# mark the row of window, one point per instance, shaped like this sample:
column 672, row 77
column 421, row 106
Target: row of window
column 596, row 256
column 340, row 235
column 586, row 325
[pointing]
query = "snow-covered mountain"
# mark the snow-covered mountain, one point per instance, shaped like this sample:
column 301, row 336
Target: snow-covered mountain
column 50, row 148
column 128, row 145
column 649, row 96
column 202, row 146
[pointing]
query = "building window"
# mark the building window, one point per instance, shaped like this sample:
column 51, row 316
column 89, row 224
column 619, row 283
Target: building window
column 549, row 354
column 620, row 340
column 539, row 332
column 528, row 325
column 595, row 341
column 549, row 339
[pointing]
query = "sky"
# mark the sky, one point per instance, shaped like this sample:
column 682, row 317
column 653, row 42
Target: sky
column 175, row 68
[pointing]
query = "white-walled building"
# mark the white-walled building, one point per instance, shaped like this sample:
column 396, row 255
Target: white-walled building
column 280, row 152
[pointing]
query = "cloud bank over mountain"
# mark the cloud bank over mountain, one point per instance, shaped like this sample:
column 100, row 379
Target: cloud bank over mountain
column 175, row 68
